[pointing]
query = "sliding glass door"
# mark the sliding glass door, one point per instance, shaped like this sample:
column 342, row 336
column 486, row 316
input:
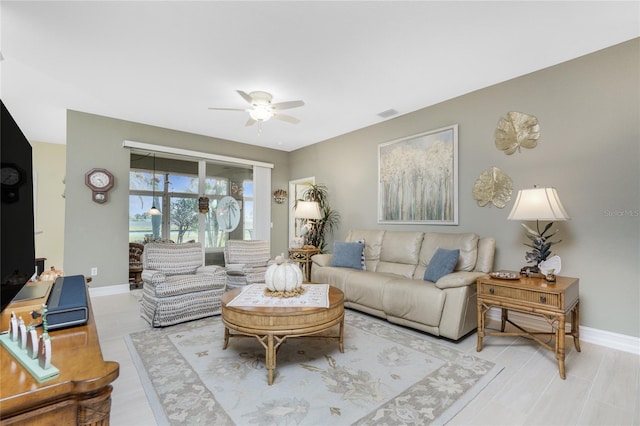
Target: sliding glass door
column 179, row 189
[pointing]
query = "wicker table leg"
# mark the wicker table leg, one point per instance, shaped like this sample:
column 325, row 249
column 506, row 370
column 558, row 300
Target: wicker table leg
column 575, row 326
column 226, row 338
column 560, row 352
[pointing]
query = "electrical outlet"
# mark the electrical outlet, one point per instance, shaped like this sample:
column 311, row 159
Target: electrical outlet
column 94, row 271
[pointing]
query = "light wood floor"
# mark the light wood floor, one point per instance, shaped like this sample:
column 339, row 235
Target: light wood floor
column 602, row 385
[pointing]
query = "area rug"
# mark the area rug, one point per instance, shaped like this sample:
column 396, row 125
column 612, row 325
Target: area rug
column 387, row 375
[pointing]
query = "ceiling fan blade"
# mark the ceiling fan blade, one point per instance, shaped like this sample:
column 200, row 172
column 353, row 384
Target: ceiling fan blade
column 287, row 105
column 287, row 118
column 245, row 96
column 228, row 109
column 250, row 122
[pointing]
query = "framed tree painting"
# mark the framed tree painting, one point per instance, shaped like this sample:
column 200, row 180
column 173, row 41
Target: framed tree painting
column 418, row 178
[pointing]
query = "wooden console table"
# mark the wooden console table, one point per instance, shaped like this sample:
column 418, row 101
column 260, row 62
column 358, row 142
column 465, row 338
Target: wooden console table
column 552, row 301
column 303, row 257
column 80, row 395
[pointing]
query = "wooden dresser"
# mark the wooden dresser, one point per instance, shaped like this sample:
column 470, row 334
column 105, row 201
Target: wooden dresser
column 80, row 395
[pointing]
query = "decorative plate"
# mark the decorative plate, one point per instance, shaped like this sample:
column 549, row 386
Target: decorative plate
column 505, row 275
column 228, row 213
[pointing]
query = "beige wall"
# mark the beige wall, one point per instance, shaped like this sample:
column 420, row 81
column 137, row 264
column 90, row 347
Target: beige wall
column 49, row 162
column 589, row 150
column 96, row 235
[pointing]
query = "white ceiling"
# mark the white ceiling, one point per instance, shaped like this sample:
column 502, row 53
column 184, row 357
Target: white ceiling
column 165, row 63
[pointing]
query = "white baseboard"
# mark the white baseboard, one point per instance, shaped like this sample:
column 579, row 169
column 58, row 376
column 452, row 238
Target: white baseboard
column 605, row 338
column 108, row 290
column 609, row 339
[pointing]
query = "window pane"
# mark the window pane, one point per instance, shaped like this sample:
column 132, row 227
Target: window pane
column 183, row 184
column 142, row 226
column 216, row 186
column 184, row 219
column 247, row 190
column 214, row 235
column 248, row 220
column 247, row 186
column 141, row 181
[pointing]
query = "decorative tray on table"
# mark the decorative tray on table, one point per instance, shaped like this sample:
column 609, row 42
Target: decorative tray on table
column 505, row 275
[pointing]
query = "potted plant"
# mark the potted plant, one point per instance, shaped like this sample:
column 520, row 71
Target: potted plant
column 324, row 227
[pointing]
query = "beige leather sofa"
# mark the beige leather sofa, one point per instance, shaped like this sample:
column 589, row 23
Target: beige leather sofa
column 393, row 285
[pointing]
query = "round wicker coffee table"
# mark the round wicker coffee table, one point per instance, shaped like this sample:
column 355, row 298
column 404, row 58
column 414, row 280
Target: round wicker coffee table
column 273, row 325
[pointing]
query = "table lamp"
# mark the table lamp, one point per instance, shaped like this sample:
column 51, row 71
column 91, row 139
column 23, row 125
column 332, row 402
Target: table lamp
column 309, row 210
column 538, row 204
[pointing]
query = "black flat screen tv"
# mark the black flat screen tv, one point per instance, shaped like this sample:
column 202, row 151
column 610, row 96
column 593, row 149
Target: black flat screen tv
column 16, row 212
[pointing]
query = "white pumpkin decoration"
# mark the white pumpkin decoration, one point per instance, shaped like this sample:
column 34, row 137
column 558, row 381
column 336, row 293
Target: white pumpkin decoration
column 283, row 275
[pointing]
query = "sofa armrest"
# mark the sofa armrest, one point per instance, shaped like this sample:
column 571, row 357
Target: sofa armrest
column 153, row 276
column 459, row 279
column 323, row 259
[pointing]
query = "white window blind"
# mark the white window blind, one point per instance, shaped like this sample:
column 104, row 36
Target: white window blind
column 262, row 203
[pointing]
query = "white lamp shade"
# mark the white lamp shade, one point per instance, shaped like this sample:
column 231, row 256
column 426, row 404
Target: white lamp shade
column 538, row 204
column 154, row 211
column 307, row 210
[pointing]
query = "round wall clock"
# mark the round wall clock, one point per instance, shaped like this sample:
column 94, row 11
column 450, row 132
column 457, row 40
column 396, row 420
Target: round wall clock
column 12, row 177
column 100, row 181
column 228, row 214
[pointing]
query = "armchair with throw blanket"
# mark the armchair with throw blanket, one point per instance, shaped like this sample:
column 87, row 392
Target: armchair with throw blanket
column 177, row 287
column 246, row 262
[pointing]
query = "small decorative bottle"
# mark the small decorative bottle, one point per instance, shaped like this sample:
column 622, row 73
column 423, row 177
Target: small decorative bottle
column 32, row 342
column 13, row 327
column 44, row 351
column 44, row 344
column 22, row 334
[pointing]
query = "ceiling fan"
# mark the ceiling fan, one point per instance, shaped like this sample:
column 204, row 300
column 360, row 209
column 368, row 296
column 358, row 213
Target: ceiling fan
column 262, row 109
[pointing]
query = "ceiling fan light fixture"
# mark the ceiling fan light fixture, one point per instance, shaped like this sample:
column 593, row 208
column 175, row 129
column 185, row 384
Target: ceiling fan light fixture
column 261, row 113
column 263, row 110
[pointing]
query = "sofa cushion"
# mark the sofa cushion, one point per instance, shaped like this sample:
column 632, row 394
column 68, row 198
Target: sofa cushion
column 401, row 247
column 181, row 284
column 414, row 300
column 441, row 264
column 467, row 243
column 247, row 252
column 173, row 259
column 366, row 288
column 372, row 247
column 347, row 254
column 399, row 269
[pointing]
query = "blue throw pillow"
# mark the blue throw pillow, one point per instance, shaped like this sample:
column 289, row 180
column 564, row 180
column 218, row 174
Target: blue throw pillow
column 347, row 255
column 441, row 264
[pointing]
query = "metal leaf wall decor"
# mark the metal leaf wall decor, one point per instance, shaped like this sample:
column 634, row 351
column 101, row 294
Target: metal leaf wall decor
column 515, row 131
column 493, row 186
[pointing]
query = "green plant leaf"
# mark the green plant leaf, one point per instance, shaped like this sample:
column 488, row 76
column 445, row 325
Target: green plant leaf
column 546, row 228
